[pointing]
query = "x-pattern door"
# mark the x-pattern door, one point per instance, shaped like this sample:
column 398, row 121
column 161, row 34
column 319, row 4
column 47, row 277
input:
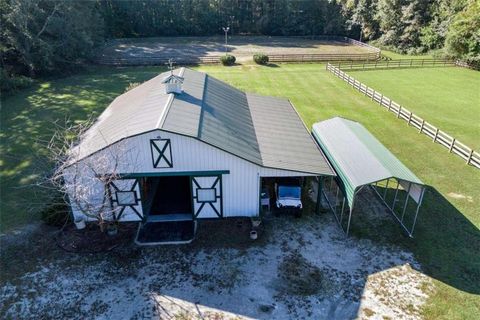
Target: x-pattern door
column 207, row 196
column 161, row 153
column 125, row 200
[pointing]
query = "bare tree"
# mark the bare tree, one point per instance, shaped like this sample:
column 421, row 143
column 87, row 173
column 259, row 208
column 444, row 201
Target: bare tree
column 82, row 179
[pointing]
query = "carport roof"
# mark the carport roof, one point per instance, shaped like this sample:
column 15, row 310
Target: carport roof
column 264, row 130
column 357, row 156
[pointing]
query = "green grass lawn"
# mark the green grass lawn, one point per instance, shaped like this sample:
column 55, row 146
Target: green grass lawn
column 448, row 98
column 447, row 238
column 27, row 123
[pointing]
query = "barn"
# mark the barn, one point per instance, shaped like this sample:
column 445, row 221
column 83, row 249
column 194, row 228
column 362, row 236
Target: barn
column 185, row 146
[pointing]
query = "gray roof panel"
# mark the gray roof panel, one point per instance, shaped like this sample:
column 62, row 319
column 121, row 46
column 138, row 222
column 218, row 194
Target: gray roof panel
column 283, row 138
column 263, row 130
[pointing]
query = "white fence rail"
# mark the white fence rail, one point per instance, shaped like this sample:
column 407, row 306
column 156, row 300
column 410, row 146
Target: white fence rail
column 452, row 144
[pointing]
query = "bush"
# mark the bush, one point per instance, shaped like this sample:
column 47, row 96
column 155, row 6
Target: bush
column 260, row 58
column 56, row 214
column 227, row 60
column 131, row 86
column 9, row 84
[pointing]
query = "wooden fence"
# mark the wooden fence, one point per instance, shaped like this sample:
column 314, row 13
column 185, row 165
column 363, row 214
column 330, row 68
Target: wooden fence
column 144, row 61
column 400, row 63
column 316, row 57
column 452, row 144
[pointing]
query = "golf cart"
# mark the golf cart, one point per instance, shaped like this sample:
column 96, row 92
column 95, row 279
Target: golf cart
column 288, row 196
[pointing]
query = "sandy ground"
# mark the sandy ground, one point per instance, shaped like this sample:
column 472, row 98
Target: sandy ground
column 240, row 46
column 298, row 269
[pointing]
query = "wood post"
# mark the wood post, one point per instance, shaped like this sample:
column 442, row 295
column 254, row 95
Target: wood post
column 451, row 145
column 421, row 127
column 319, row 195
column 470, row 156
column 409, row 118
column 435, row 136
column 399, row 111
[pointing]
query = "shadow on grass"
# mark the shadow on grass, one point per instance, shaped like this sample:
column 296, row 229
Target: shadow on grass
column 272, row 65
column 445, row 243
column 29, row 120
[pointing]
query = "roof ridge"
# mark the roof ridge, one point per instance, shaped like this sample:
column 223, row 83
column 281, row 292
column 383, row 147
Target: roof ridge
column 168, row 104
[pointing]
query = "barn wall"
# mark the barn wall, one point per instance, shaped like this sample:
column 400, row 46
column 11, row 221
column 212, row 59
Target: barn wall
column 240, row 187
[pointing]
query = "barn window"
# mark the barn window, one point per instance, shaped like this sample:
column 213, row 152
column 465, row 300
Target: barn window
column 206, row 195
column 126, row 198
column 161, row 153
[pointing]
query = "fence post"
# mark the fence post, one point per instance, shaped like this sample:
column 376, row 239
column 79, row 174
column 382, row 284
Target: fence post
column 409, row 118
column 381, row 100
column 435, row 136
column 470, row 156
column 399, row 111
column 421, row 127
column 451, row 145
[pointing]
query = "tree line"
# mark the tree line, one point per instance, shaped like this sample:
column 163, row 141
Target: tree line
column 39, row 37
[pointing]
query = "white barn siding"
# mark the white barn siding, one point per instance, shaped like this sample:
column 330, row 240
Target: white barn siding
column 240, row 186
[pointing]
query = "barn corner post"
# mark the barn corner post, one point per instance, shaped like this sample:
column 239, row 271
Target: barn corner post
column 318, row 205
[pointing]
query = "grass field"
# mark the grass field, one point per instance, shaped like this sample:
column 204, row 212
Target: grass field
column 447, row 238
column 454, row 105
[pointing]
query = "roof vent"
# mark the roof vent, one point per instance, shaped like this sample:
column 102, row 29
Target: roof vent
column 173, row 83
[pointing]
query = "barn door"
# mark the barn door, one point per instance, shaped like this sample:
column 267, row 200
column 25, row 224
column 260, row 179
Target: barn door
column 125, row 200
column 207, row 197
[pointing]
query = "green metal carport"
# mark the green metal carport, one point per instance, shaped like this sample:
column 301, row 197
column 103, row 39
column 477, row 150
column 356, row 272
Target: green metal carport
column 361, row 160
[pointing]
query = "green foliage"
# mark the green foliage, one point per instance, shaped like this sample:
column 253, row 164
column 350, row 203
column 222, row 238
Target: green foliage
column 463, row 37
column 228, row 60
column 260, row 58
column 9, row 84
column 40, row 37
column 51, row 36
column 132, row 85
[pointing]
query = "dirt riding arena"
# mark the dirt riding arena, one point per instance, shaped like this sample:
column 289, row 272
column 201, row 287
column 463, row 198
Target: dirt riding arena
column 144, row 51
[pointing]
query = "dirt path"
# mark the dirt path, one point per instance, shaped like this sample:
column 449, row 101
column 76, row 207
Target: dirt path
column 302, row 269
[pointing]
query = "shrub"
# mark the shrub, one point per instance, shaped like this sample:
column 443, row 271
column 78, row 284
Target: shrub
column 227, row 60
column 56, row 214
column 260, row 58
column 12, row 83
column 131, row 86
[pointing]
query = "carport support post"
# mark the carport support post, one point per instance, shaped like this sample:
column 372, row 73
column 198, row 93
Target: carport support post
column 350, row 213
column 416, row 212
column 319, row 195
column 386, row 188
column 406, row 201
column 395, row 198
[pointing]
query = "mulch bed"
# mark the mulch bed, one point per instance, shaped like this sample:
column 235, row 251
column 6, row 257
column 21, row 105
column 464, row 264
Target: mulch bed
column 93, row 240
column 227, row 233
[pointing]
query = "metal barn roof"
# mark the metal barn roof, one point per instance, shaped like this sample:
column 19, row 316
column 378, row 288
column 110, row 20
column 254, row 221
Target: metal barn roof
column 264, row 130
column 357, row 156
